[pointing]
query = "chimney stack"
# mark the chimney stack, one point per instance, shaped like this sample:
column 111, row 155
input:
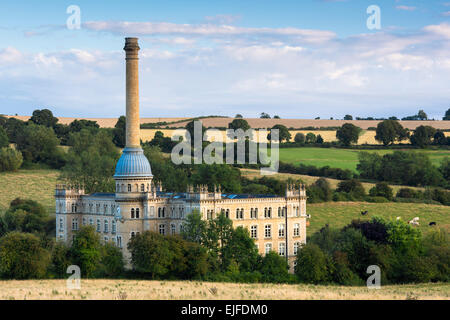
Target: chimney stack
column 132, row 93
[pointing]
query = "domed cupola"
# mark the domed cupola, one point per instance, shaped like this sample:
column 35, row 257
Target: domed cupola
column 133, row 164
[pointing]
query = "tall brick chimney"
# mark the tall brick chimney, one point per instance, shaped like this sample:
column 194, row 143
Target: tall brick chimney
column 132, row 92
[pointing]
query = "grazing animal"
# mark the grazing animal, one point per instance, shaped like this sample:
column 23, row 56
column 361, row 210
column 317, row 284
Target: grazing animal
column 398, row 218
column 364, row 212
column 414, row 222
column 432, row 223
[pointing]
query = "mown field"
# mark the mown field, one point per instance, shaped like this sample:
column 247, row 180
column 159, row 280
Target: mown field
column 36, row 185
column 193, row 290
column 343, row 158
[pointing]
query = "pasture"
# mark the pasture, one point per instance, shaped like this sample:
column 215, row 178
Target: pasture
column 343, row 158
column 195, row 290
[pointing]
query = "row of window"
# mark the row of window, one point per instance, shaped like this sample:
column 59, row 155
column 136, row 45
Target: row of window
column 91, row 222
column 282, row 248
column 268, row 230
column 240, row 214
column 129, row 188
column 98, row 208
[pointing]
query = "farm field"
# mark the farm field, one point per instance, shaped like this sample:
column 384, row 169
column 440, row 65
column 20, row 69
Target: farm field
column 36, row 185
column 193, row 290
column 339, row 214
column 343, row 158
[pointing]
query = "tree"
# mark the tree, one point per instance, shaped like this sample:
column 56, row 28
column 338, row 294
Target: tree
column 283, row 133
column 348, row 134
column 241, row 249
column 319, row 139
column 22, row 257
column 13, row 128
column 422, row 136
column 389, row 131
column 274, row 268
column 299, row 138
column 91, row 161
column 217, row 174
column 381, row 189
column 151, row 253
column 111, row 261
column 348, row 117
column 311, row 265
column 353, row 187
column 447, row 115
column 4, row 140
column 60, row 260
column 10, row 159
column 311, row 137
column 194, row 228
column 44, row 117
column 25, row 216
column 422, row 115
column 439, row 138
column 219, row 233
column 239, row 124
column 264, row 115
column 276, row 117
column 119, row 138
column 238, row 115
column 40, row 144
column 86, row 250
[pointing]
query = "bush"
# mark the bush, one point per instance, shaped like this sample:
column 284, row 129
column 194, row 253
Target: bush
column 406, row 193
column 381, row 189
column 22, row 257
column 60, row 260
column 111, row 261
column 274, row 268
column 4, row 140
column 86, row 250
column 353, row 187
column 10, row 159
column 312, row 265
column 299, row 138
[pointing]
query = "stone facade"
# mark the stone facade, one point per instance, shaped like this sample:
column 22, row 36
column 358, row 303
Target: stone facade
column 275, row 223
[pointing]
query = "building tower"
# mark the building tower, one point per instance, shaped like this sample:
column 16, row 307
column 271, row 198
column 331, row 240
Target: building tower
column 133, row 173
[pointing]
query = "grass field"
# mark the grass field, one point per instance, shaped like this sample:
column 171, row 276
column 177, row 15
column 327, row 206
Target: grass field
column 343, row 158
column 189, row 290
column 36, row 185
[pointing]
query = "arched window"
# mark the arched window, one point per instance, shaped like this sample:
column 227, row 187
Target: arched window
column 159, row 212
column 105, row 226
column 237, row 213
column 132, row 213
column 137, row 213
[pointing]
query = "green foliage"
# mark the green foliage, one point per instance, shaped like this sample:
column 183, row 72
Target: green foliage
column 381, row 189
column 422, row 136
column 311, row 138
column 389, row 131
column 10, row 159
column 403, row 237
column 217, row 174
column 352, row 187
column 40, row 144
column 242, row 250
column 274, row 268
column 119, row 138
column 283, row 133
column 22, row 257
column 165, row 143
column 447, row 115
column 312, row 265
column 13, row 128
column 341, row 272
column 348, row 134
column 111, row 261
column 4, row 140
column 60, row 260
column 44, row 117
column 194, row 228
column 300, row 138
column 86, row 250
column 91, row 161
column 264, row 115
column 239, row 124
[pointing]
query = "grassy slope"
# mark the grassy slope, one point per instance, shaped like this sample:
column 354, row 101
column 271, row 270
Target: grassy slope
column 171, row 290
column 342, row 158
column 37, row 185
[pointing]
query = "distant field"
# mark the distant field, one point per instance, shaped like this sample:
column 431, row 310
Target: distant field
column 195, row 290
column 339, row 214
column 343, row 158
column 36, row 185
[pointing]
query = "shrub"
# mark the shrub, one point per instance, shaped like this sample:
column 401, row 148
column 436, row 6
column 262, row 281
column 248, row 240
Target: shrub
column 352, row 187
column 10, row 159
column 300, row 138
column 381, row 189
column 86, row 250
column 406, row 193
column 312, row 265
column 111, row 261
column 274, row 268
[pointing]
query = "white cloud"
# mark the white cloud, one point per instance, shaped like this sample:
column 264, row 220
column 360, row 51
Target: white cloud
column 406, row 8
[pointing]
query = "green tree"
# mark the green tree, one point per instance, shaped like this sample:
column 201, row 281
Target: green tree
column 4, row 140
column 151, row 253
column 219, row 234
column 26, row 216
column 40, row 144
column 381, row 189
column 447, row 115
column 311, row 137
column 312, row 265
column 300, row 138
column 10, row 159
column 60, row 260
column 238, row 116
column 86, row 250
column 319, row 139
column 111, row 261
column 239, row 124
column 274, row 268
column 353, row 187
column 264, row 115
column 91, row 161
column 242, row 249
column 369, row 165
column 13, row 128
column 44, row 117
column 439, row 138
column 119, row 138
column 217, row 174
column 422, row 115
column 22, row 257
column 194, row 228
column 348, row 134
column 389, row 131
column 348, row 117
column 283, row 133
column 422, row 136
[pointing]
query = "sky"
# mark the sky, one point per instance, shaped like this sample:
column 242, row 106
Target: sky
column 292, row 58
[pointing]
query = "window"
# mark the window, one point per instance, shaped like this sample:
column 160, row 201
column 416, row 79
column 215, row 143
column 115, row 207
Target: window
column 227, row 213
column 132, row 213
column 237, row 214
column 296, row 229
column 113, row 226
column 91, row 221
column 268, row 231
column 119, row 241
column 254, row 213
column 281, row 212
column 281, row 248
column 142, row 187
column 133, row 234
column 84, row 221
column 137, row 213
column 296, row 247
column 268, row 247
column 161, row 212
column 281, row 230
column 74, row 207
column 61, row 224
column 105, row 226
column 74, row 224
column 209, row 214
column 267, row 212
column 254, row 231
column 242, row 214
column 162, row 229
column 129, row 188
column 98, row 225
column 173, row 229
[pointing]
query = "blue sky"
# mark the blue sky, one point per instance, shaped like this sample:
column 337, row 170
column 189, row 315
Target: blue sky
column 297, row 59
